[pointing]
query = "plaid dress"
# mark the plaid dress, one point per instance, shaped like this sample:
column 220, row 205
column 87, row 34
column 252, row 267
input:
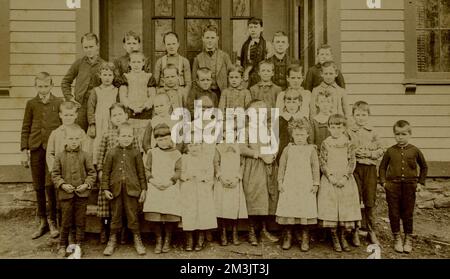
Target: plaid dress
column 109, row 141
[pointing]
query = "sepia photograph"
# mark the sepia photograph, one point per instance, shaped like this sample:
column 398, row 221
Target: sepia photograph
column 231, row 130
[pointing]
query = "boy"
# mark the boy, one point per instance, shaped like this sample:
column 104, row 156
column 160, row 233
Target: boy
column 74, row 176
column 170, row 81
column 84, row 71
column 131, row 43
column 213, row 58
column 398, row 175
column 368, row 151
column 253, row 51
column 295, row 79
column 40, row 119
column 124, row 184
column 314, row 77
column 265, row 90
column 280, row 59
column 201, row 88
column 172, row 57
column 329, row 72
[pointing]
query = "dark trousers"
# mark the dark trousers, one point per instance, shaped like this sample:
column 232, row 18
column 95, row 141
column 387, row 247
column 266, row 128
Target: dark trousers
column 73, row 213
column 124, row 204
column 401, row 198
column 366, row 179
column 45, row 191
column 82, row 120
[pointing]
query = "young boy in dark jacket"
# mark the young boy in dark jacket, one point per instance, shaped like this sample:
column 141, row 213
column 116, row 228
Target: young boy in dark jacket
column 125, row 186
column 74, row 176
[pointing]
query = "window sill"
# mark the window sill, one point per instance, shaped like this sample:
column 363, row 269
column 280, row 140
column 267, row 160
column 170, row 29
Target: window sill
column 426, row 82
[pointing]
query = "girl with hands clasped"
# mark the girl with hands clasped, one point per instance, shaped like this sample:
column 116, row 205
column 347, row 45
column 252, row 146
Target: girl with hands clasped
column 298, row 182
column 163, row 169
column 338, row 198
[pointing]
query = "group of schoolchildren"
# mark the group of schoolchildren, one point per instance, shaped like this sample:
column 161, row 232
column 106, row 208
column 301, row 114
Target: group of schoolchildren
column 113, row 132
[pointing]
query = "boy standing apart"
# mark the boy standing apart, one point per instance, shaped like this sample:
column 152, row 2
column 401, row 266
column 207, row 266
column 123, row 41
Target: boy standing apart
column 125, row 186
column 214, row 59
column 172, row 57
column 253, row 51
column 314, row 76
column 368, row 151
column 84, row 71
column 398, row 175
column 280, row 59
column 265, row 90
column 40, row 119
column 74, row 176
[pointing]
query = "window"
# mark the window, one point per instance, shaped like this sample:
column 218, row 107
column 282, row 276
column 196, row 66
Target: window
column 427, row 34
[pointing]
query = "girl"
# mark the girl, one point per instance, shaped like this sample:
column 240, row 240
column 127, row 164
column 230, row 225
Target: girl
column 260, row 193
column 235, row 96
column 338, row 198
column 162, row 205
column 197, row 180
column 109, row 140
column 228, row 191
column 136, row 93
column 100, row 100
column 298, row 182
column 319, row 123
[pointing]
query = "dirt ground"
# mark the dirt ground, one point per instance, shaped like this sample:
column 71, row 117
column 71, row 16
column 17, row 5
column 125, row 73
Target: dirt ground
column 431, row 241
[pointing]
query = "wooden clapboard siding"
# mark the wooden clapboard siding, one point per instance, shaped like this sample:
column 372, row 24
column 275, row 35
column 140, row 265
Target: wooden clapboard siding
column 373, row 63
column 42, row 38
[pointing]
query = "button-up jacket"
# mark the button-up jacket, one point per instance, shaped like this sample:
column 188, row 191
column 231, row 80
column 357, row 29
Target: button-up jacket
column 399, row 164
column 73, row 167
column 124, row 168
column 39, row 121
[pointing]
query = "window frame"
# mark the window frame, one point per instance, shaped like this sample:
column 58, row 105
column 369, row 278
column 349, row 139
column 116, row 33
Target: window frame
column 412, row 75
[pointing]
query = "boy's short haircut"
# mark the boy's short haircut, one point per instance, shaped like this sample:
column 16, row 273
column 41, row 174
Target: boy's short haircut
column 170, row 67
column 324, row 46
column 43, row 76
column 74, row 129
column 210, row 28
column 125, row 126
column 117, row 105
column 329, row 64
column 236, row 68
column 266, row 62
column 253, row 102
column 361, row 105
column 337, row 119
column 131, row 34
column 68, row 105
column 170, row 34
column 296, row 92
column 402, row 124
column 90, row 36
column 161, row 130
column 140, row 53
column 279, row 34
column 298, row 124
column 204, row 71
column 256, row 21
column 294, row 68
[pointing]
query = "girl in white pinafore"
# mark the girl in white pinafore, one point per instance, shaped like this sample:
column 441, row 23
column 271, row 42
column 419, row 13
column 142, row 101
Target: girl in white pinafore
column 163, row 169
column 228, row 190
column 198, row 208
column 338, row 197
column 298, row 180
column 101, row 99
